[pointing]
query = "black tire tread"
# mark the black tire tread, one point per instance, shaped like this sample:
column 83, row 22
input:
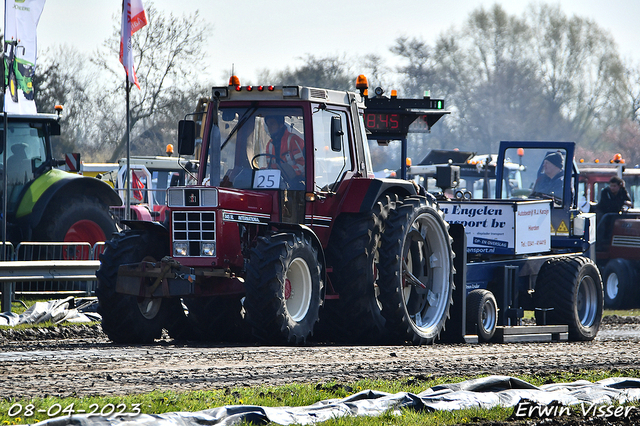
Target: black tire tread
column 265, row 308
column 121, row 318
column 352, row 252
column 556, row 286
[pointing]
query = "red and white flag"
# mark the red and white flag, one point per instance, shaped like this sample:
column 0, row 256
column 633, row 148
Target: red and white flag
column 133, row 18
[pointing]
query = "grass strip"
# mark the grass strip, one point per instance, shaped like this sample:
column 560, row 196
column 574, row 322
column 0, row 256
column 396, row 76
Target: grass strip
column 29, row 411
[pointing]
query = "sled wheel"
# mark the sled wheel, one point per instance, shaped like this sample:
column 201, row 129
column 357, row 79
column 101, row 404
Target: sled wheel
column 416, row 272
column 353, row 253
column 482, row 314
column 283, row 288
column 618, row 283
column 127, row 318
column 573, row 288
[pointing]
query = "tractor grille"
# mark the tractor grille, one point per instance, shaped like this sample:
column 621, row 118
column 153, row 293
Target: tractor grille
column 625, row 241
column 194, row 228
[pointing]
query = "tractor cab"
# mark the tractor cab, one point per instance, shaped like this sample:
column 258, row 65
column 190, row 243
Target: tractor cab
column 285, row 141
column 548, row 171
column 28, row 153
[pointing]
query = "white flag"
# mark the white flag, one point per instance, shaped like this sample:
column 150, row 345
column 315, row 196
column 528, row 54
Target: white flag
column 133, row 18
column 20, row 51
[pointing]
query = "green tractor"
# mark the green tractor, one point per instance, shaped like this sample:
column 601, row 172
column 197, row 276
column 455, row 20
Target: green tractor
column 44, row 203
column 18, row 73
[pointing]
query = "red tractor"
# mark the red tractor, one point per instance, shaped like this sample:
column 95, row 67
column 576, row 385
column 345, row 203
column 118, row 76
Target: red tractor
column 284, row 228
column 618, row 247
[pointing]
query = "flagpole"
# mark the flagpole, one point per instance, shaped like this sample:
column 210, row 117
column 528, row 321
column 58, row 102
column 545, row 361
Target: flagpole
column 127, row 214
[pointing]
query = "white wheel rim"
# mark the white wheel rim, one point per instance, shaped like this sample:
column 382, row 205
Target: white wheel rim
column 612, row 286
column 587, row 301
column 149, row 307
column 488, row 316
column 298, row 289
column 433, row 248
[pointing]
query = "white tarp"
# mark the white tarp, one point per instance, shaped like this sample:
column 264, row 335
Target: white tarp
column 485, row 392
column 56, row 311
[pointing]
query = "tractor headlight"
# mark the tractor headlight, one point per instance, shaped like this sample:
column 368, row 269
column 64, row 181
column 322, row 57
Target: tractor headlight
column 180, row 249
column 208, row 249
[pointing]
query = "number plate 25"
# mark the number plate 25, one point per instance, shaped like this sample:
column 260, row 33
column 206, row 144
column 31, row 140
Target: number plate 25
column 266, row 179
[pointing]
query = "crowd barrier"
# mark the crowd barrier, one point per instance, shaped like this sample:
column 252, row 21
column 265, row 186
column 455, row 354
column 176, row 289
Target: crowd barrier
column 48, row 269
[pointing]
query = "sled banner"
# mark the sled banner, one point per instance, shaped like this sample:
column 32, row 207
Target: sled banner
column 133, row 18
column 20, row 50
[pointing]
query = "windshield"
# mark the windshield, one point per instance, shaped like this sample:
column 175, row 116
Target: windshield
column 541, row 173
column 27, row 149
column 260, row 148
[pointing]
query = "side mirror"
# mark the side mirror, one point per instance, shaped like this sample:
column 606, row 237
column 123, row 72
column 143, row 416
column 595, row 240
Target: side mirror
column 186, row 137
column 54, row 129
column 336, row 133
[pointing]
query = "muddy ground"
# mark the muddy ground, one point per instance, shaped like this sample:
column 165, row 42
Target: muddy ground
column 81, row 361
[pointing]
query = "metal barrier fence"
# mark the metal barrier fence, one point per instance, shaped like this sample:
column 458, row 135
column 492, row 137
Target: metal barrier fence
column 49, row 269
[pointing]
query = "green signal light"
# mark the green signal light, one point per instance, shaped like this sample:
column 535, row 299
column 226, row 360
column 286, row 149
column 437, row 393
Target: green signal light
column 439, row 105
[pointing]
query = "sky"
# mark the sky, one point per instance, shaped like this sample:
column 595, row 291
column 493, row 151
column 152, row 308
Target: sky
column 252, row 35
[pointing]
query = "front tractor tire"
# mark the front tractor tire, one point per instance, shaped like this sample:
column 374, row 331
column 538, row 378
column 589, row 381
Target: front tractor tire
column 283, row 288
column 127, row 318
column 76, row 219
column 572, row 287
column 416, row 272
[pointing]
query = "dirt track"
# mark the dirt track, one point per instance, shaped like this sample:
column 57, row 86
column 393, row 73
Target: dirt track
column 86, row 363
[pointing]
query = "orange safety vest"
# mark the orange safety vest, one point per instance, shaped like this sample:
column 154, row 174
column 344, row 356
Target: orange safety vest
column 291, row 152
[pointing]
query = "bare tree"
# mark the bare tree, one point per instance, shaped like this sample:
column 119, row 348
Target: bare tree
column 169, row 65
column 330, row 72
column 63, row 78
column 539, row 76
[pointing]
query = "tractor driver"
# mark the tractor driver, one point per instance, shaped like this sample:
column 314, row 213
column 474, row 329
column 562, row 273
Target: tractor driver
column 613, row 199
column 285, row 148
column 551, row 180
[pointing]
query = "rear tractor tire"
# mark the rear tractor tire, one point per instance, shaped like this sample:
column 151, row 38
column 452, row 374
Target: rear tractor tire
column 127, row 318
column 283, row 288
column 572, row 287
column 356, row 317
column 416, row 272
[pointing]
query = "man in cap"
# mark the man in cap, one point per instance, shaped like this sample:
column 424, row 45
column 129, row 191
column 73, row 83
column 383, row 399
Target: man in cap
column 551, row 181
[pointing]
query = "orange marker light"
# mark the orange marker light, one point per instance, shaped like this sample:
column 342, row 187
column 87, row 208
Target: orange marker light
column 394, row 93
column 362, row 83
column 520, row 152
column 234, row 80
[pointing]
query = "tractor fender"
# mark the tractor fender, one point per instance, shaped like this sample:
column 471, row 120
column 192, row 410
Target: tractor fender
column 280, row 226
column 57, row 184
column 378, row 187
